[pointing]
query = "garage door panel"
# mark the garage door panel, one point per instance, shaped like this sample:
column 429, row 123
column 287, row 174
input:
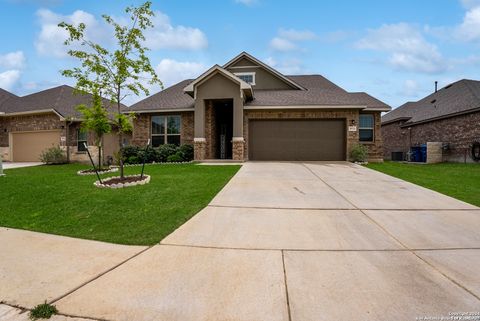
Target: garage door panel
column 28, row 146
column 301, row 140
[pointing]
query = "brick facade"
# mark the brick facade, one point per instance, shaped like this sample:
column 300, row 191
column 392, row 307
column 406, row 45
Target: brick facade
column 142, row 128
column 207, row 149
column 375, row 148
column 458, row 132
column 42, row 122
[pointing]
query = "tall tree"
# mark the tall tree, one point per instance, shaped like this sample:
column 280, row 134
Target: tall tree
column 95, row 119
column 117, row 72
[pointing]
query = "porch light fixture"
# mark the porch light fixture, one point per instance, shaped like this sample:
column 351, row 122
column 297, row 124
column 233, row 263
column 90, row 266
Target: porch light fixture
column 352, row 122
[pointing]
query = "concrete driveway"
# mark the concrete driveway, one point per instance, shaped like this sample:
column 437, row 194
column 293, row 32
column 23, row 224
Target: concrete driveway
column 282, row 241
column 10, row 165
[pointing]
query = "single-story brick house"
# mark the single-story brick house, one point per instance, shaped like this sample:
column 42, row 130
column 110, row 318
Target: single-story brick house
column 32, row 123
column 450, row 116
column 246, row 110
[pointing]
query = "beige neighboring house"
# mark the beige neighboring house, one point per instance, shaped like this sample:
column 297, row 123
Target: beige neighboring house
column 246, row 110
column 33, row 123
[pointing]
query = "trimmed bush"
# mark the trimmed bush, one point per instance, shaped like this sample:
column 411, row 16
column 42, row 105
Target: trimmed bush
column 187, row 152
column 161, row 154
column 53, row 155
column 359, row 153
column 175, row 158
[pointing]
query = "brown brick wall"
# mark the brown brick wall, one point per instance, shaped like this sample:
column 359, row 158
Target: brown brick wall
column 459, row 132
column 142, row 128
column 27, row 123
column 375, row 148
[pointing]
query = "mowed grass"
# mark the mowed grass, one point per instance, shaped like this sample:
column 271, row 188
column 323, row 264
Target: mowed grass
column 54, row 199
column 461, row 181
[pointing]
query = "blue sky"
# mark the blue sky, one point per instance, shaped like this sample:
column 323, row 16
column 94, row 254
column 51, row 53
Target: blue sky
column 394, row 50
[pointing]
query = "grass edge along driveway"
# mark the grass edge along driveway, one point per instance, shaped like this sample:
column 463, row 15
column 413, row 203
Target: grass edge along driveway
column 55, row 200
column 461, row 181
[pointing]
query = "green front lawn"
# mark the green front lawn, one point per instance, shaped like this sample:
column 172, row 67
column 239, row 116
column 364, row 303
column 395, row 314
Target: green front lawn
column 54, row 199
column 461, row 181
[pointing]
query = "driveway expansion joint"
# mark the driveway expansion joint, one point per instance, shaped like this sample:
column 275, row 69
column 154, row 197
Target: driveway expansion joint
column 286, row 287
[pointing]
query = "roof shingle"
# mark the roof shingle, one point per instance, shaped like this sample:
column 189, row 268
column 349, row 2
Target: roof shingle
column 461, row 96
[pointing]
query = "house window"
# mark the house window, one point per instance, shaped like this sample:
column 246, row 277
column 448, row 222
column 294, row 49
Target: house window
column 366, row 127
column 81, row 140
column 248, row 77
column 166, row 130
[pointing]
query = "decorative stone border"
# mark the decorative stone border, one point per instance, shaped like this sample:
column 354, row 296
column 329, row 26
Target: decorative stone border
column 147, row 164
column 111, row 170
column 146, row 180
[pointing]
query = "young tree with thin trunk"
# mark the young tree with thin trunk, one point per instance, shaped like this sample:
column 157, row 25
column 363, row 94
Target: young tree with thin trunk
column 116, row 72
column 95, row 119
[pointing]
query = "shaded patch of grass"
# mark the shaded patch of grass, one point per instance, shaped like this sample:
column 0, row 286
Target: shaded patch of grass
column 461, row 181
column 54, row 199
column 43, row 311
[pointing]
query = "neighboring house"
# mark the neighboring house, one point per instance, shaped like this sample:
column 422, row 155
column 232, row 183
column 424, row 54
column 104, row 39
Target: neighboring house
column 33, row 123
column 450, row 116
column 246, row 110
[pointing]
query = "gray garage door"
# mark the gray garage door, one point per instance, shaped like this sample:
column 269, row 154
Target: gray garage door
column 297, row 140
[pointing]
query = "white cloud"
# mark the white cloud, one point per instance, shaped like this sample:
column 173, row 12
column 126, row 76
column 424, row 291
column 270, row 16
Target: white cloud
column 49, row 41
column 296, row 35
column 469, row 30
column 290, row 66
column 9, row 78
column 288, row 39
column 470, row 3
column 280, row 44
column 166, row 36
column 171, row 71
column 12, row 60
column 407, row 47
column 246, row 2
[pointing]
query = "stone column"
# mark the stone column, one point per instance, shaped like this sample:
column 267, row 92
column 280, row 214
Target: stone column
column 434, row 152
column 238, row 148
column 199, row 148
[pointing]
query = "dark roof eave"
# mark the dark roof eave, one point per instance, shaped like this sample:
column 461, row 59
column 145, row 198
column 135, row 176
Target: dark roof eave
column 470, row 111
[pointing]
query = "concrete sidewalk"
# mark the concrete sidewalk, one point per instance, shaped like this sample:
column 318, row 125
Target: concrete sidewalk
column 282, row 241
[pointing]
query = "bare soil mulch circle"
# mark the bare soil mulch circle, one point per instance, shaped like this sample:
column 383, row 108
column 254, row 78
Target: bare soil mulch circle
column 91, row 171
column 118, row 182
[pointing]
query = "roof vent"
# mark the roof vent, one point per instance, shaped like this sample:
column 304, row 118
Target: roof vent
column 433, row 101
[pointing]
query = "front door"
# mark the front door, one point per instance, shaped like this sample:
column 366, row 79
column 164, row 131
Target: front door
column 224, row 129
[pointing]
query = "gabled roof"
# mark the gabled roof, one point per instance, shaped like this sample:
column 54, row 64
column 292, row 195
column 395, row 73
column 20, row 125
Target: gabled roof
column 62, row 100
column 171, row 98
column 4, row 96
column 265, row 66
column 190, row 88
column 319, row 92
column 459, row 97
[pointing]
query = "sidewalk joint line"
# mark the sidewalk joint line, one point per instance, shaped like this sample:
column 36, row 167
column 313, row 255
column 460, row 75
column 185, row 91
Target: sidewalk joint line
column 24, row 310
column 99, row 275
column 286, row 287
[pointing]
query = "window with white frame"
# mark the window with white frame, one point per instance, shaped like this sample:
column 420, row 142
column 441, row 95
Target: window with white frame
column 166, row 130
column 366, row 127
column 248, row 77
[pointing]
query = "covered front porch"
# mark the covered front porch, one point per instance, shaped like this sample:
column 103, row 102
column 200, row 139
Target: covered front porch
column 219, row 98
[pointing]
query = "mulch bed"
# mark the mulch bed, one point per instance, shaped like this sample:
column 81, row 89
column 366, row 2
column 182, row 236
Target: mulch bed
column 119, row 180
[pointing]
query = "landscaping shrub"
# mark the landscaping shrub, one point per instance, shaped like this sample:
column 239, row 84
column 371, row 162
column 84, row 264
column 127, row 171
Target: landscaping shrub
column 53, row 155
column 187, row 152
column 177, row 157
column 166, row 150
column 161, row 154
column 359, row 153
